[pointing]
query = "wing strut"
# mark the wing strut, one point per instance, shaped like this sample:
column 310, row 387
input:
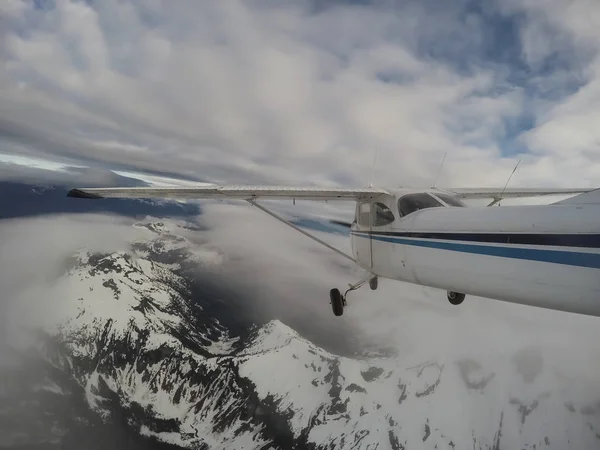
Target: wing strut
column 288, row 223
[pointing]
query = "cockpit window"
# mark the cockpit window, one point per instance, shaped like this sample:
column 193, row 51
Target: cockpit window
column 413, row 202
column 382, row 215
column 450, row 200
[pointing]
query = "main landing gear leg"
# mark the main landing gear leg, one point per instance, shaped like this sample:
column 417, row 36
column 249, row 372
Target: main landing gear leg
column 338, row 301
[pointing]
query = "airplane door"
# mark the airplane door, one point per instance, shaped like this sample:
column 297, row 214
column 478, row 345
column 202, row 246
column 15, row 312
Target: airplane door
column 382, row 252
column 370, row 235
column 362, row 243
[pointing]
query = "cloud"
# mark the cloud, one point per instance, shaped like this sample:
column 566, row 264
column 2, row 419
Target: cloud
column 269, row 271
column 267, row 281
column 275, row 272
column 33, row 252
column 304, row 92
column 289, row 276
column 561, row 45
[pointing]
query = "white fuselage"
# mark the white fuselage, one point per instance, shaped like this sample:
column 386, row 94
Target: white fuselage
column 547, row 255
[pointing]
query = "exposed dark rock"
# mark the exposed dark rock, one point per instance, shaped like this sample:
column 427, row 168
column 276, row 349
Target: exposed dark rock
column 403, row 393
column 498, row 435
column 431, row 388
column 355, row 388
column 524, row 409
column 427, row 431
column 372, row 374
column 394, row 441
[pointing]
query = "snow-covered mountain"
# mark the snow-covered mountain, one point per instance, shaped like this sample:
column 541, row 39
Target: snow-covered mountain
column 139, row 342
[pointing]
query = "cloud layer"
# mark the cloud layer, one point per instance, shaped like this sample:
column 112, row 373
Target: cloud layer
column 513, row 345
column 290, row 281
column 305, row 91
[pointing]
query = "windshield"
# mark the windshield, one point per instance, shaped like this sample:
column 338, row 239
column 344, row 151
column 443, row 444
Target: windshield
column 413, row 202
column 382, row 215
column 450, row 200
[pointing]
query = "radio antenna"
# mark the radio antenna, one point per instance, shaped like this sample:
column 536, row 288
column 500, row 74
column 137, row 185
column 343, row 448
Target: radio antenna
column 439, row 171
column 373, row 168
column 497, row 200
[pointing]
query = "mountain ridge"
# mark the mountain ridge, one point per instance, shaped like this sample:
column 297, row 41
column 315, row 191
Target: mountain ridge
column 149, row 347
column 135, row 336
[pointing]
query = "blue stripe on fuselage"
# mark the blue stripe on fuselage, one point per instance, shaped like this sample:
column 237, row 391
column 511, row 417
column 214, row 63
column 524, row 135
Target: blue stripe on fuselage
column 587, row 240
column 579, row 259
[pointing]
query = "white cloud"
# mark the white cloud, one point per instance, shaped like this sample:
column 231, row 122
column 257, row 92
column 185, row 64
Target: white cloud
column 33, row 163
column 561, row 39
column 33, row 253
column 286, row 92
column 283, row 274
column 272, row 270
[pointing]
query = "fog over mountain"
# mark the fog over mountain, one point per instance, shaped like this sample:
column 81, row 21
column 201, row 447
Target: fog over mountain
column 186, row 332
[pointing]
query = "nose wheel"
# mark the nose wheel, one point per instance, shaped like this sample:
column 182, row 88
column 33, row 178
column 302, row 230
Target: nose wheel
column 338, row 301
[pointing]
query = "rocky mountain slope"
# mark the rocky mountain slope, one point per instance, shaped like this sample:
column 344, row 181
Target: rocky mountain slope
column 142, row 344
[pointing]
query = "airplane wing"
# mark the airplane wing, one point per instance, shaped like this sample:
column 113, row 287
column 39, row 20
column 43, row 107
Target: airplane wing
column 472, row 193
column 240, row 192
column 587, row 198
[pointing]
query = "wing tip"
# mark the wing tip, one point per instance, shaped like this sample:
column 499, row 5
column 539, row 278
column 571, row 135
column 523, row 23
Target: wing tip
column 79, row 193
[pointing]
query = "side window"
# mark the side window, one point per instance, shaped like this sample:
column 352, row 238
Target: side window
column 450, row 200
column 382, row 215
column 413, row 202
column 363, row 214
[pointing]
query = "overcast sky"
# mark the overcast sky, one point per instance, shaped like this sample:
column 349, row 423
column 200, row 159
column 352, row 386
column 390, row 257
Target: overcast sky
column 305, row 91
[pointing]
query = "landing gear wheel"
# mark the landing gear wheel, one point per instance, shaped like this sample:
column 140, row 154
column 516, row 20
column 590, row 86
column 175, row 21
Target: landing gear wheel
column 373, row 282
column 455, row 298
column 337, row 302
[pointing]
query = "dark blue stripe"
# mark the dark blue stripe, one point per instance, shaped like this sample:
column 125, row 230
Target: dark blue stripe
column 589, row 240
column 578, row 259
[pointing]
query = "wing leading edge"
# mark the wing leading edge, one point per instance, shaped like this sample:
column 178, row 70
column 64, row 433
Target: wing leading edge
column 240, row 192
column 472, row 193
column 249, row 192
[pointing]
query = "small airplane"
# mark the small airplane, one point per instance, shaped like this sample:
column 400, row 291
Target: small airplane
column 542, row 255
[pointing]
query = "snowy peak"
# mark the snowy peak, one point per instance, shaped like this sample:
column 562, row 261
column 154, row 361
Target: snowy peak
column 144, row 340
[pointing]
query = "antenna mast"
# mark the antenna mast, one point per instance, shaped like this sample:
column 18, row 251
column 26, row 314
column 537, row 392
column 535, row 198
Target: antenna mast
column 497, row 200
column 373, row 168
column 439, row 171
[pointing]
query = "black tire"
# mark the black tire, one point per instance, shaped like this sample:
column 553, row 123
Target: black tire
column 455, row 298
column 337, row 302
column 373, row 283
